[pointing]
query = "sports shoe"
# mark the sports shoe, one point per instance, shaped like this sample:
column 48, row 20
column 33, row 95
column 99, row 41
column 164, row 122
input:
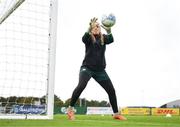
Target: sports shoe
column 70, row 113
column 119, row 117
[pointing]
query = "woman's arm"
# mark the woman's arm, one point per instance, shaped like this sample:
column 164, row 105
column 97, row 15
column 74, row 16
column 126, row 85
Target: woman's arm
column 108, row 39
column 86, row 38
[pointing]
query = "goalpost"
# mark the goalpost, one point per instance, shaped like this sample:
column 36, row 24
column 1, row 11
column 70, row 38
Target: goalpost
column 27, row 58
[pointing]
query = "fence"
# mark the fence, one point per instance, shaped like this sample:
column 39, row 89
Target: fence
column 126, row 111
column 150, row 111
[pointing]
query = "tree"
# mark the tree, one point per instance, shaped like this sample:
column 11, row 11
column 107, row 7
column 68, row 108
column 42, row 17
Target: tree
column 67, row 102
column 57, row 101
column 96, row 103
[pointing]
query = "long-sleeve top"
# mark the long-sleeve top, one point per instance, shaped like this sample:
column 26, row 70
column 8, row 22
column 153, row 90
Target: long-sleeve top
column 95, row 51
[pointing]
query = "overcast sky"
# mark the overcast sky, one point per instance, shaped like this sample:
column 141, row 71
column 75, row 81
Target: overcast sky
column 144, row 60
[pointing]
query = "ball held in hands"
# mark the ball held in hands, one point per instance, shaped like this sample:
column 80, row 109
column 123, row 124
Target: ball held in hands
column 108, row 21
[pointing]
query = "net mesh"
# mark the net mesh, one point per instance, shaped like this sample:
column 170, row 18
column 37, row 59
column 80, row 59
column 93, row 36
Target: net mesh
column 24, row 54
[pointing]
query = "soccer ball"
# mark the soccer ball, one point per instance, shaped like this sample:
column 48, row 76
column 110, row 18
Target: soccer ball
column 108, row 21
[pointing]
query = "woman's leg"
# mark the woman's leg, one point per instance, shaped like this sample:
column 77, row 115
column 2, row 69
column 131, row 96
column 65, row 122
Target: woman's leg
column 104, row 80
column 83, row 80
column 84, row 77
column 108, row 86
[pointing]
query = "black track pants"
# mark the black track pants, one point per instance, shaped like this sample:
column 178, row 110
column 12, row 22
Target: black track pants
column 102, row 78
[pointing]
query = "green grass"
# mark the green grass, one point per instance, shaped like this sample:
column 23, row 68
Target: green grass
column 96, row 121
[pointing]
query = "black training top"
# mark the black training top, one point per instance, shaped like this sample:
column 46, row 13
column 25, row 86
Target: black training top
column 95, row 51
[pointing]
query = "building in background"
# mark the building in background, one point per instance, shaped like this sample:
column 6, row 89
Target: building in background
column 172, row 104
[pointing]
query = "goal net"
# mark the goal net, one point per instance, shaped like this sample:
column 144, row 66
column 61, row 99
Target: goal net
column 27, row 58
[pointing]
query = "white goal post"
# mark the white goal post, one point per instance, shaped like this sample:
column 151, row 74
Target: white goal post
column 27, row 58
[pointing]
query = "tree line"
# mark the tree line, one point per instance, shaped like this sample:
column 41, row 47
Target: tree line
column 13, row 100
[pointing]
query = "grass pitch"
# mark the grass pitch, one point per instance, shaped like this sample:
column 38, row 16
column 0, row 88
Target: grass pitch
column 96, row 121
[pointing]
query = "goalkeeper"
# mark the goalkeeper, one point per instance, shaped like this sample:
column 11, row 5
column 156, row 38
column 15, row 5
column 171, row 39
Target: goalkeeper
column 94, row 66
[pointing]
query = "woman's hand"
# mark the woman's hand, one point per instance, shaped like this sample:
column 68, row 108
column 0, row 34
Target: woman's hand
column 92, row 24
column 107, row 29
